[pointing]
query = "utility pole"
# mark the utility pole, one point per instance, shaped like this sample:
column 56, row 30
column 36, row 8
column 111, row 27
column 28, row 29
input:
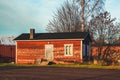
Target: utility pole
column 83, row 18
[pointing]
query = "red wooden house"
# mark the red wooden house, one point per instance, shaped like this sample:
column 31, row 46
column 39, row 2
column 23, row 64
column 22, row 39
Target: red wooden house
column 55, row 47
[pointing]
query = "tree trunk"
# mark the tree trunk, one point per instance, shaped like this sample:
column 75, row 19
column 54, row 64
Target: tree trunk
column 83, row 19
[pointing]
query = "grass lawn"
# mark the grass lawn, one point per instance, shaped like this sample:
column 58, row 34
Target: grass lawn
column 66, row 65
column 87, row 66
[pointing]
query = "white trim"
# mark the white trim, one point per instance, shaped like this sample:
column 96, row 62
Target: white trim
column 52, row 50
column 68, row 51
column 81, row 55
column 16, row 54
column 49, row 40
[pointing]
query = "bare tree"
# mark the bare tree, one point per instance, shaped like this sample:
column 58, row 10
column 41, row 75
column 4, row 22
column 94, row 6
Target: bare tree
column 89, row 8
column 83, row 17
column 104, row 31
column 69, row 17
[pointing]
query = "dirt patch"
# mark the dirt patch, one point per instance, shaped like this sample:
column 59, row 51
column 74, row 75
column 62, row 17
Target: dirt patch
column 56, row 73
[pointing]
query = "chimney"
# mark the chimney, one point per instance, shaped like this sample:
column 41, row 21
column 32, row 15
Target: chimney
column 32, row 33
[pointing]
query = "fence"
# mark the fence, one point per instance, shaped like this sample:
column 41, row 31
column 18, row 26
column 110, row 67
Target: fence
column 7, row 53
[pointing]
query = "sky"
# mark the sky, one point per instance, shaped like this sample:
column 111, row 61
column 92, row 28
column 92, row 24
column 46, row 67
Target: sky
column 113, row 6
column 18, row 16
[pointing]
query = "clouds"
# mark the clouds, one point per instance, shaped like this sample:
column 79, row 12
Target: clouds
column 17, row 16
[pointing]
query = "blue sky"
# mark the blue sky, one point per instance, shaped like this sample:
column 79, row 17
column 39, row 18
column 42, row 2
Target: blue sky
column 18, row 16
column 113, row 6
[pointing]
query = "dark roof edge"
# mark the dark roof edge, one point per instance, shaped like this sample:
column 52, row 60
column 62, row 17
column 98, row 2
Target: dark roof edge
column 47, row 39
column 62, row 35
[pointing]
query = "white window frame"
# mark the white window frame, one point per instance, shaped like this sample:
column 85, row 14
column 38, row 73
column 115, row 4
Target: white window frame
column 68, row 49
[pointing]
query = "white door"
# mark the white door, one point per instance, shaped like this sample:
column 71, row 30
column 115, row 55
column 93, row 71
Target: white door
column 49, row 52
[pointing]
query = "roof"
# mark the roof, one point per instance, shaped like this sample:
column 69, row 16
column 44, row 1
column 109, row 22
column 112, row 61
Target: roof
column 4, row 40
column 43, row 36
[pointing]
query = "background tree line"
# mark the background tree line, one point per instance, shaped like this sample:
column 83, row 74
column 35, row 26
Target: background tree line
column 88, row 15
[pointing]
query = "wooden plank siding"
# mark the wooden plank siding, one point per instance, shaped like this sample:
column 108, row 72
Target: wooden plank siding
column 29, row 51
column 7, row 53
column 94, row 49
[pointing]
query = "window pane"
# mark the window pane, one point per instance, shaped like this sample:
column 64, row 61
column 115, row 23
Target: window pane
column 68, row 49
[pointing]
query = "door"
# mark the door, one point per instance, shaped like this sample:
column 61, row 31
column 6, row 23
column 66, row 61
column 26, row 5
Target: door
column 49, row 52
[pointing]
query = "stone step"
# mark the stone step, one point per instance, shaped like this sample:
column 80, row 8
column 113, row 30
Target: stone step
column 44, row 63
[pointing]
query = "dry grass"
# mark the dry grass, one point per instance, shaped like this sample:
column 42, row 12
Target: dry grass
column 66, row 65
column 87, row 66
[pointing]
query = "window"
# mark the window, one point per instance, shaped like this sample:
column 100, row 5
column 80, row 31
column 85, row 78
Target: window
column 68, row 49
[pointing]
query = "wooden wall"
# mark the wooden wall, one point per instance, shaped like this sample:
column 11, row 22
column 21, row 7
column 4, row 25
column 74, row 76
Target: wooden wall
column 94, row 49
column 28, row 52
column 7, row 53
